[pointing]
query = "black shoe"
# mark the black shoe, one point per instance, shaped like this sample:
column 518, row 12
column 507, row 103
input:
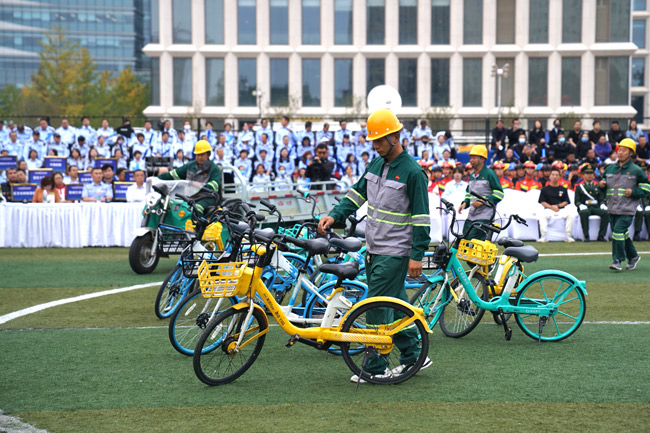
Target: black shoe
column 601, row 239
column 586, row 239
column 615, row 266
column 631, row 264
column 637, row 237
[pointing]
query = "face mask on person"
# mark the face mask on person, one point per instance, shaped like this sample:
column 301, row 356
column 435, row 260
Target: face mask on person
column 561, row 140
column 281, row 172
column 186, row 127
column 584, row 139
column 242, row 171
column 522, row 141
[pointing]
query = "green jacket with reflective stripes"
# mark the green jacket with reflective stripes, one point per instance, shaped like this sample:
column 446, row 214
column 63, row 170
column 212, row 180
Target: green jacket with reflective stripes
column 398, row 207
column 484, row 183
column 192, row 171
column 619, row 178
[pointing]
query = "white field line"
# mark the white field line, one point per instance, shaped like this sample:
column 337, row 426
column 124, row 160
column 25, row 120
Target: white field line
column 10, row 424
column 40, row 307
column 599, row 253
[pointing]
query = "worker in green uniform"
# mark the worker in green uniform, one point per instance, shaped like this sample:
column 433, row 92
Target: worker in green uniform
column 397, row 228
column 201, row 170
column 484, row 182
column 625, row 185
column 642, row 212
column 591, row 201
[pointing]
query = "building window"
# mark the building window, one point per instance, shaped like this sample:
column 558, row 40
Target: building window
column 612, row 21
column 375, row 73
column 155, row 32
column 571, row 21
column 343, row 22
column 214, row 22
column 638, row 103
column 473, row 22
column 507, row 83
column 408, row 22
column 214, row 83
column 182, row 82
column 506, row 21
column 611, row 81
column 638, row 33
column 408, row 81
column 472, row 87
column 279, row 16
column 311, row 82
column 279, row 82
column 311, row 23
column 375, row 22
column 439, row 82
column 440, row 22
column 571, row 72
column 181, row 22
column 247, row 82
column 538, row 22
column 343, row 82
column 537, row 81
column 246, row 24
column 638, row 72
column 155, row 81
column 639, row 5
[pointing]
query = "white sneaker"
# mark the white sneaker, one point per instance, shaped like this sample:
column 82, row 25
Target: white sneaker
column 387, row 373
column 542, row 239
column 398, row 370
column 569, row 239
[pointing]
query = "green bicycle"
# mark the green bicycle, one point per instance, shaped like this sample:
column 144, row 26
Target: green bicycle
column 549, row 297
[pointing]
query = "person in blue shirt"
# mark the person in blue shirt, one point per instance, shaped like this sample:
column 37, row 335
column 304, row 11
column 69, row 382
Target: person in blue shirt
column 68, row 133
column 285, row 131
column 263, row 129
column 342, row 132
column 97, row 191
column 87, row 131
column 325, row 134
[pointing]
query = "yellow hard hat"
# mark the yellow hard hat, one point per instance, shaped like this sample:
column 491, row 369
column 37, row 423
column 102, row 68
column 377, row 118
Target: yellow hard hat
column 202, row 146
column 479, row 150
column 629, row 143
column 382, row 123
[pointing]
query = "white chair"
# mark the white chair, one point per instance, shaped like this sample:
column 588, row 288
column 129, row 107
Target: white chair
column 528, row 208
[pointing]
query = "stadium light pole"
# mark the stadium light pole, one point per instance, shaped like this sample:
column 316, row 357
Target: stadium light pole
column 499, row 73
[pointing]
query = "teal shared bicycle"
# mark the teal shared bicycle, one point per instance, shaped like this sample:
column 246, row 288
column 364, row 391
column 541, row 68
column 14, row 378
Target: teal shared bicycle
column 548, row 305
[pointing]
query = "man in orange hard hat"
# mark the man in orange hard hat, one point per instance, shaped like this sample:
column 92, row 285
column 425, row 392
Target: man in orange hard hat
column 397, row 230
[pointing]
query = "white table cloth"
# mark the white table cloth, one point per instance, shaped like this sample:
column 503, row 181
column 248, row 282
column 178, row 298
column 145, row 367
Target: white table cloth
column 72, row 225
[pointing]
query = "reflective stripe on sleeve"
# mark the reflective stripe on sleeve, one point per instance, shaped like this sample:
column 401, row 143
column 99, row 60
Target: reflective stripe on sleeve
column 645, row 186
column 421, row 220
column 175, row 175
column 355, row 197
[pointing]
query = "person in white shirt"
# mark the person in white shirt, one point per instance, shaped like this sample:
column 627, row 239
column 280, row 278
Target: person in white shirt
column 179, row 158
column 349, row 178
column 307, row 133
column 422, row 134
column 265, row 161
column 13, row 146
column 137, row 163
column 36, row 144
column 338, row 135
column 137, row 191
column 261, row 179
column 58, row 145
column 33, row 162
column 245, row 163
column 363, row 146
column 283, row 132
column 283, row 180
column 87, row 131
column 285, row 145
column 106, row 131
column 164, row 147
column 168, row 129
column 344, row 149
column 456, row 189
column 76, row 159
column 46, row 132
column 122, row 161
column 440, row 145
column 220, row 157
column 264, row 144
column 72, row 176
column 4, row 132
column 185, row 143
column 24, row 133
column 325, row 134
column 68, row 133
column 103, row 150
column 263, row 129
column 209, row 135
column 81, row 145
column 150, row 135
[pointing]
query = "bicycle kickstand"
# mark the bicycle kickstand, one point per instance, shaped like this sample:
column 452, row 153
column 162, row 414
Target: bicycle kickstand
column 542, row 322
column 368, row 352
column 506, row 328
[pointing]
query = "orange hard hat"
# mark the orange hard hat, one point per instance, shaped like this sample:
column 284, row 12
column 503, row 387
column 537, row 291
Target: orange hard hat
column 479, row 150
column 381, row 123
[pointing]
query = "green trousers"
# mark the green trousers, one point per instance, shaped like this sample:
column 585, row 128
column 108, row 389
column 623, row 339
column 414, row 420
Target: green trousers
column 203, row 204
column 386, row 276
column 475, row 232
column 638, row 221
column 584, row 220
column 622, row 246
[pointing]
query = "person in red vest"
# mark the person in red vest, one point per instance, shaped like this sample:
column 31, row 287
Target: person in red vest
column 562, row 167
column 499, row 168
column 528, row 183
column 446, row 176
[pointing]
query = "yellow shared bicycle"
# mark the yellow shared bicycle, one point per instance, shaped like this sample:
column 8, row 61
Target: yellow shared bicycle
column 382, row 340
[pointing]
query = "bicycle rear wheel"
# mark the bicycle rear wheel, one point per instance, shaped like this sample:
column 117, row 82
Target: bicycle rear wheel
column 191, row 318
column 460, row 316
column 170, row 294
column 556, row 289
column 227, row 360
column 391, row 365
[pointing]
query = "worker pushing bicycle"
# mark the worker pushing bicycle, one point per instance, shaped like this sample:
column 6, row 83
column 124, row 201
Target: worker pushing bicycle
column 397, row 228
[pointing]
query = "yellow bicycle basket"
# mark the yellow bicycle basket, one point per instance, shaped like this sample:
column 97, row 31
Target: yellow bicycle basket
column 222, row 280
column 478, row 252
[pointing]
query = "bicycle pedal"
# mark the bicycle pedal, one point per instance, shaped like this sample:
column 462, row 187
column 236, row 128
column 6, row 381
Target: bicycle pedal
column 292, row 340
column 508, row 334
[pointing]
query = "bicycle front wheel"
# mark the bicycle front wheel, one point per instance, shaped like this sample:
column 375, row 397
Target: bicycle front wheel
column 391, row 365
column 170, row 294
column 228, row 359
column 192, row 317
column 564, row 320
column 460, row 316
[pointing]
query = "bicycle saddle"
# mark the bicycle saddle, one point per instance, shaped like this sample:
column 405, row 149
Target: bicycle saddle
column 346, row 271
column 509, row 242
column 346, row 244
column 264, row 234
column 240, row 227
column 312, row 246
column 526, row 254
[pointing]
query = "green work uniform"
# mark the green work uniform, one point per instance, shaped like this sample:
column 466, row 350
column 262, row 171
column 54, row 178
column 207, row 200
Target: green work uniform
column 397, row 229
column 622, row 208
column 589, row 195
column 642, row 213
column 208, row 174
column 486, row 184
